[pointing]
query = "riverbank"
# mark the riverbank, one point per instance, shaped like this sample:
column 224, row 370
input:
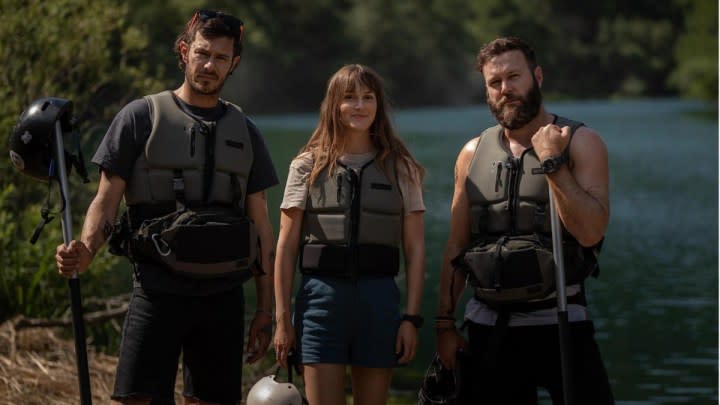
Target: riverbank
column 38, row 367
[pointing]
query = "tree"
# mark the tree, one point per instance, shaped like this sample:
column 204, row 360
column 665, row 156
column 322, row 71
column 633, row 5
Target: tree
column 696, row 52
column 78, row 50
column 422, row 49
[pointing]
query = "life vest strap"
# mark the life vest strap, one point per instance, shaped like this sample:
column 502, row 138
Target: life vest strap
column 578, row 299
column 337, row 260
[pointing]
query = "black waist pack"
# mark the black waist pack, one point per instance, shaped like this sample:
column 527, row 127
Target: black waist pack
column 521, row 268
column 201, row 243
column 513, row 269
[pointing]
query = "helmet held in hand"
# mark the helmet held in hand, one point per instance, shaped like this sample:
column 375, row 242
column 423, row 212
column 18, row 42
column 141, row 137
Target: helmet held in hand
column 439, row 386
column 267, row 391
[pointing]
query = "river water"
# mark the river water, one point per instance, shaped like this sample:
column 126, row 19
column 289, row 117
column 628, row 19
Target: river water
column 655, row 304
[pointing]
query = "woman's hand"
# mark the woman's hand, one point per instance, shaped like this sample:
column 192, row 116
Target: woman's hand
column 284, row 340
column 406, row 342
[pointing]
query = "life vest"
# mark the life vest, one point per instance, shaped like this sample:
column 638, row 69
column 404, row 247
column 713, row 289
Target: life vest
column 186, row 193
column 179, row 142
column 510, row 257
column 352, row 224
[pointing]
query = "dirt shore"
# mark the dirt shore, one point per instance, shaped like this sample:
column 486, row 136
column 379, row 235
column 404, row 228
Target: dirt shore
column 37, row 367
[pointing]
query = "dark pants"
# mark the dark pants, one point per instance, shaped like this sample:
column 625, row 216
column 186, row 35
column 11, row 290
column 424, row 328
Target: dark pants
column 208, row 330
column 528, row 357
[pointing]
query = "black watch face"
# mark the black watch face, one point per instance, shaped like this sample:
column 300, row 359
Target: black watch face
column 549, row 165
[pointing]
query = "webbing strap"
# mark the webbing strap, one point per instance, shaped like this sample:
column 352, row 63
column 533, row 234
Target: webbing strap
column 548, row 303
column 209, row 167
column 179, row 190
column 497, row 335
column 237, row 192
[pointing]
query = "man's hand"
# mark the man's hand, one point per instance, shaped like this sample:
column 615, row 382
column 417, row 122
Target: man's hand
column 550, row 140
column 259, row 337
column 73, row 258
column 447, row 343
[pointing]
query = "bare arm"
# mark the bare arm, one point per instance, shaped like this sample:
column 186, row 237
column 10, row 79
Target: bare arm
column 256, row 205
column 99, row 219
column 413, row 239
column 414, row 250
column 448, row 341
column 581, row 189
column 287, row 247
column 459, row 236
column 261, row 326
column 287, row 250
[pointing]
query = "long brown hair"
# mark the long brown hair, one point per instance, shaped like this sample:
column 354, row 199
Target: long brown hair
column 327, row 142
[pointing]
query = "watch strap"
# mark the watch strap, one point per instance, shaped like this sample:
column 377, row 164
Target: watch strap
column 415, row 320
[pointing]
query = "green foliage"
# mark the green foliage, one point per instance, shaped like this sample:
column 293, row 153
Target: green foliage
column 601, row 49
column 29, row 283
column 696, row 52
column 25, row 282
column 638, row 42
column 420, row 48
column 425, row 50
column 102, row 54
column 85, row 52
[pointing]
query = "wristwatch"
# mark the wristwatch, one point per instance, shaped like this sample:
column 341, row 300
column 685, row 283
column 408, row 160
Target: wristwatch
column 552, row 164
column 415, row 320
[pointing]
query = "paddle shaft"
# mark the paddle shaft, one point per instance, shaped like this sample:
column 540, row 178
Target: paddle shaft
column 74, row 281
column 563, row 323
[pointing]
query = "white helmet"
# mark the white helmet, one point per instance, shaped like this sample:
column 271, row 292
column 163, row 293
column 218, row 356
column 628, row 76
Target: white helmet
column 267, row 391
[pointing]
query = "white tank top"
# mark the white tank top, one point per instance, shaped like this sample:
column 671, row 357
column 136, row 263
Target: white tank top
column 477, row 312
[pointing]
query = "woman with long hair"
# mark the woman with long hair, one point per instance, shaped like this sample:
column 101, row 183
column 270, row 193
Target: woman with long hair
column 353, row 199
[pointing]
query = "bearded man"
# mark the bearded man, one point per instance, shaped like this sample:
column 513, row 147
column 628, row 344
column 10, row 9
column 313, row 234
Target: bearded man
column 500, row 241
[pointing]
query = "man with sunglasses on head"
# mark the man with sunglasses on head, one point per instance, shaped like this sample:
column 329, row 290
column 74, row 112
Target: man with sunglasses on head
column 193, row 171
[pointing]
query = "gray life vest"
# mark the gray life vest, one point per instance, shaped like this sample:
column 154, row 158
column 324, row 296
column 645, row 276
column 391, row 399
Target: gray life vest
column 186, row 194
column 510, row 258
column 179, row 142
column 352, row 224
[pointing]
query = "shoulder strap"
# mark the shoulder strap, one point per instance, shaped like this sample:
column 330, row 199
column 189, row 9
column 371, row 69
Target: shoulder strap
column 574, row 125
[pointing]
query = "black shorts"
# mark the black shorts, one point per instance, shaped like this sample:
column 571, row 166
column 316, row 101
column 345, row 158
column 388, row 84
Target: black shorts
column 528, row 357
column 208, row 330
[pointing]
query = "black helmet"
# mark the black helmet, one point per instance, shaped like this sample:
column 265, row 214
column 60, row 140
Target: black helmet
column 32, row 141
column 439, row 386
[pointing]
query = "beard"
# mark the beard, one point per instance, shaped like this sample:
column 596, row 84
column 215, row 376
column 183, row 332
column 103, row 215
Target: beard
column 517, row 116
column 203, row 85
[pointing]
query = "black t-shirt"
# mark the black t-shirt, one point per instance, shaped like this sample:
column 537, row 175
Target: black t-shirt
column 124, row 142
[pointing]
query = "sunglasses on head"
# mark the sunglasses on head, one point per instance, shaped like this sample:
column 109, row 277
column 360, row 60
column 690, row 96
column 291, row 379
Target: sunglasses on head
column 235, row 24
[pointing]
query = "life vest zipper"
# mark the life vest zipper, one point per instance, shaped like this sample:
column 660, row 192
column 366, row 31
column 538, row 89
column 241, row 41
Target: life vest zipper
column 355, row 180
column 513, row 190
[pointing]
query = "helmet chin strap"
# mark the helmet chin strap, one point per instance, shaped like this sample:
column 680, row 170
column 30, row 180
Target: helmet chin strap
column 45, row 211
column 78, row 162
column 45, row 214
